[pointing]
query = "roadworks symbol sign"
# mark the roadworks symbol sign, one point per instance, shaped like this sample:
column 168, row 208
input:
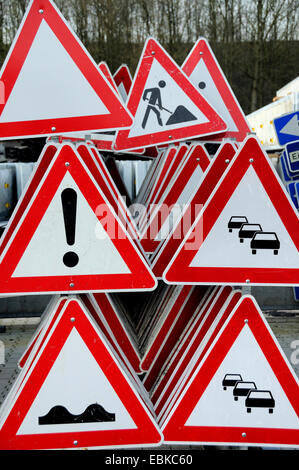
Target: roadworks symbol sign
column 165, row 105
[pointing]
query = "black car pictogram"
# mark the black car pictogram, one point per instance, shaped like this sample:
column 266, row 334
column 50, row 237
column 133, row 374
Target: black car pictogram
column 259, row 399
column 236, row 222
column 248, row 231
column 230, row 380
column 265, row 241
column 242, row 389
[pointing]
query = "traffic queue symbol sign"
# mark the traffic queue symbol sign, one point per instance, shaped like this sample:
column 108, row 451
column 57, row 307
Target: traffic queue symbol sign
column 52, row 85
column 244, row 390
column 165, row 105
column 70, row 238
column 287, row 127
column 205, row 73
column 123, row 81
column 248, row 231
column 55, row 405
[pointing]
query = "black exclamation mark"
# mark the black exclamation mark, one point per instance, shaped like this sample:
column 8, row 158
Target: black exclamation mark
column 69, row 207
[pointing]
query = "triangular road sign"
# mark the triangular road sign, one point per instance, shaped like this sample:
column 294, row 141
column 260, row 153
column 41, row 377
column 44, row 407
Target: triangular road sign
column 205, row 73
column 212, row 175
column 52, row 85
column 243, row 392
column 123, row 81
column 165, row 105
column 248, row 231
column 48, row 319
column 69, row 238
column 75, row 393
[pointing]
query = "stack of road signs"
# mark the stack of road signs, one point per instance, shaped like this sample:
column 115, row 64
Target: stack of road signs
column 159, row 334
column 292, row 152
column 167, row 248
column 178, row 193
column 116, row 326
column 192, row 361
column 210, row 314
column 194, row 301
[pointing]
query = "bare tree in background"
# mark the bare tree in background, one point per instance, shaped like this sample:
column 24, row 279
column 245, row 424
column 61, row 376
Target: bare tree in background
column 266, row 23
column 255, row 42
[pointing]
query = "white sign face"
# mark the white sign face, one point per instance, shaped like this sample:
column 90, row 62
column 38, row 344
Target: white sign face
column 232, row 243
column 164, row 105
column 93, row 251
column 60, row 88
column 67, row 393
column 244, row 391
column 202, row 80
